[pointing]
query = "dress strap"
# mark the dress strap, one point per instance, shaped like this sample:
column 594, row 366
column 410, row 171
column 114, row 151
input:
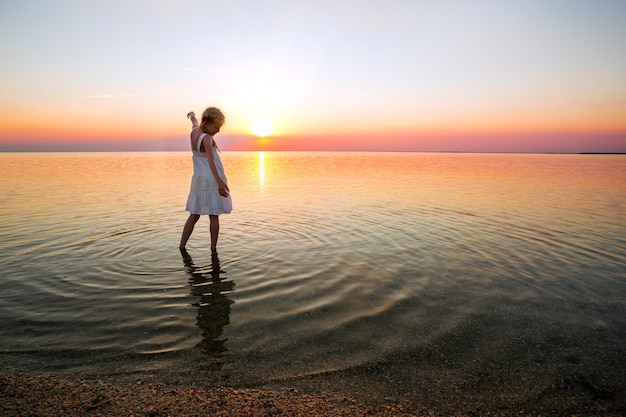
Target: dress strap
column 213, row 144
column 199, row 144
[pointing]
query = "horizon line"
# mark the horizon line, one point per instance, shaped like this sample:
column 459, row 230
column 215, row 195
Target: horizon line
column 315, row 151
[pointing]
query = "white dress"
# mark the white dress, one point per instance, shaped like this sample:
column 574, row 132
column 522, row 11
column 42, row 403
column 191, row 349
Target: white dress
column 204, row 196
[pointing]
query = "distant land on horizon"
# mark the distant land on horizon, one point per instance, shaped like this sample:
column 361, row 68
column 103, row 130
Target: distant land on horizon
column 332, row 151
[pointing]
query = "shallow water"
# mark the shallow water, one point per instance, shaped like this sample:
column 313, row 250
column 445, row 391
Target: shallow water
column 329, row 260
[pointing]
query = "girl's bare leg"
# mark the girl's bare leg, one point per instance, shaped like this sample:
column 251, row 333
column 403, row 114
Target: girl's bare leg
column 215, row 231
column 189, row 224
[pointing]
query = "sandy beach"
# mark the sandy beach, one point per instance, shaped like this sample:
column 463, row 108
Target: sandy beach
column 22, row 395
column 384, row 390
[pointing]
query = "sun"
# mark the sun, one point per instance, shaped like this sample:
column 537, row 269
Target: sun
column 262, row 128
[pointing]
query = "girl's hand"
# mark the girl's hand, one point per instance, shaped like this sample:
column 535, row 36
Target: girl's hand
column 223, row 189
column 192, row 116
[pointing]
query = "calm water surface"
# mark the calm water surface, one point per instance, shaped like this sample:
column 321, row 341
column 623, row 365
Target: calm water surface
column 329, row 260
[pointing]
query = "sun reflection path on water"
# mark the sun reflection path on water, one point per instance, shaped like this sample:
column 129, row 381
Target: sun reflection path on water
column 262, row 170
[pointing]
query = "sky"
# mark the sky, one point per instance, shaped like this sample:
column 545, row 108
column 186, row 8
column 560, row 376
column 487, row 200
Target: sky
column 380, row 75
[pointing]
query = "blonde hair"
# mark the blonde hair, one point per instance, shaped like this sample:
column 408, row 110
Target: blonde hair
column 212, row 115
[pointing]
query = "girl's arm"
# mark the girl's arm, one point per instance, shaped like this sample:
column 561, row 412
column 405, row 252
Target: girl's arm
column 221, row 184
column 192, row 116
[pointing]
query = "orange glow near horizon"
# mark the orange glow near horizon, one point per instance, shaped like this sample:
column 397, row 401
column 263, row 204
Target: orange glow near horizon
column 51, row 129
column 46, row 129
column 483, row 130
column 520, row 140
column 264, row 142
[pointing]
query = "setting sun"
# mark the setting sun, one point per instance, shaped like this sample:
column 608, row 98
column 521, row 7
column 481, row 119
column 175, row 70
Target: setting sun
column 262, row 128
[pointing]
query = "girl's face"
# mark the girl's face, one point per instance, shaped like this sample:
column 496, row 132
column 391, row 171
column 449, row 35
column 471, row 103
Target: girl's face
column 213, row 128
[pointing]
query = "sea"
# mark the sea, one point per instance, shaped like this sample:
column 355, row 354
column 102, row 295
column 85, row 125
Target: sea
column 329, row 262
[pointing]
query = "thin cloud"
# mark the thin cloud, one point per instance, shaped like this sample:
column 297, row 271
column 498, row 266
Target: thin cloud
column 104, row 96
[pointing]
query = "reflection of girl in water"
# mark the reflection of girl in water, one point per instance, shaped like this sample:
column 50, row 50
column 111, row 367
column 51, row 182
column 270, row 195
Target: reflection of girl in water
column 213, row 306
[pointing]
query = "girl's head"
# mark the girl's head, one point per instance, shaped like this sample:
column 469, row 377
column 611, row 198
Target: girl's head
column 212, row 120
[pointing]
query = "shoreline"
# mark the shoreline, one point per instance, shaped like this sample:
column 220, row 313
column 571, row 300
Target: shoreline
column 383, row 389
column 476, row 370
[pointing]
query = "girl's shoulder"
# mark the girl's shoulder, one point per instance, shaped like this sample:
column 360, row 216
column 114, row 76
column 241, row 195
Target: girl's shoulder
column 195, row 135
column 198, row 139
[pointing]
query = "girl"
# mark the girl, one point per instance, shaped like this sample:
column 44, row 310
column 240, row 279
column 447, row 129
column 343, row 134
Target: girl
column 209, row 193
